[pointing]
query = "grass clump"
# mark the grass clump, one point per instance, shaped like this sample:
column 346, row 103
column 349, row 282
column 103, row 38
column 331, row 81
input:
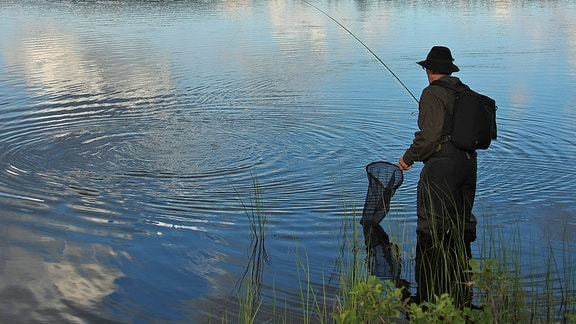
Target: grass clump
column 500, row 288
column 371, row 301
column 499, row 293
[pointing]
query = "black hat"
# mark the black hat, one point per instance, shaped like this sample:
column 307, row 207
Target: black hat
column 440, row 60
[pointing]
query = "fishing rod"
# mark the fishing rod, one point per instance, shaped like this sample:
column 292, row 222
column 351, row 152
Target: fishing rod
column 366, row 47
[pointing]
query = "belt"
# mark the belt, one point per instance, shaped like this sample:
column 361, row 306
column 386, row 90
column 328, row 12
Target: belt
column 448, row 149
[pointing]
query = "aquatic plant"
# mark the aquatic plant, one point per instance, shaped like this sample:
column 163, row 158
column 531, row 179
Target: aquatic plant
column 500, row 292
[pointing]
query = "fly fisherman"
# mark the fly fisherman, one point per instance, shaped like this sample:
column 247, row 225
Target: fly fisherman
column 446, row 190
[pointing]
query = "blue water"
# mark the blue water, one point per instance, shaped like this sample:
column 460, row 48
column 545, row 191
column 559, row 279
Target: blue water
column 137, row 138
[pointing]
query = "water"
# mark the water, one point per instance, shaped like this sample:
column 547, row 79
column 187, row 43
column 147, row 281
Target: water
column 134, row 137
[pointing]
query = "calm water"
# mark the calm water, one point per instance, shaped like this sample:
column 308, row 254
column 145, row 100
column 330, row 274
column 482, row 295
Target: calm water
column 133, row 136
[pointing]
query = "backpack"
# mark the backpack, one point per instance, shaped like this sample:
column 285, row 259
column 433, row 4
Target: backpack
column 473, row 123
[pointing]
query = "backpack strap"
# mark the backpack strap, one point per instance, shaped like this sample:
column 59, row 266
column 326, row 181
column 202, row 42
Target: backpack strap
column 447, row 127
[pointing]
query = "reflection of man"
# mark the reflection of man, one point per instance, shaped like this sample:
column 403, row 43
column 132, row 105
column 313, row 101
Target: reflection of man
column 446, row 189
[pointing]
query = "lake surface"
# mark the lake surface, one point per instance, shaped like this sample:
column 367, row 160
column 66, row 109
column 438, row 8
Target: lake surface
column 137, row 138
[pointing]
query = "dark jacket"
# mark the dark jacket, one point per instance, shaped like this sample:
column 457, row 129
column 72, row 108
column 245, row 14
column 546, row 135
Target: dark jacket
column 435, row 101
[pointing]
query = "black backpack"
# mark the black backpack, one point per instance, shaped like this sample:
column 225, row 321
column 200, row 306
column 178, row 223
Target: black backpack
column 473, row 123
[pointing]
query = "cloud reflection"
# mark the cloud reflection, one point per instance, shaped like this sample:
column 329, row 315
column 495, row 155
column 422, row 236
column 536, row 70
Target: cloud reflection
column 65, row 282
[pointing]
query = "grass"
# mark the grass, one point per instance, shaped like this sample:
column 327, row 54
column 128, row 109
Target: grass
column 502, row 288
column 250, row 301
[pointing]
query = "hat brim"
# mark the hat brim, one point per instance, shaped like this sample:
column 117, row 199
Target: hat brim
column 439, row 67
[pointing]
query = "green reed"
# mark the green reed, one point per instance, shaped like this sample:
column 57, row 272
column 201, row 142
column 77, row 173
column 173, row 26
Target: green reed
column 514, row 292
column 496, row 275
column 249, row 296
column 314, row 302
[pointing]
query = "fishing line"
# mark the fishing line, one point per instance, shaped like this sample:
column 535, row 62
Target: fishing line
column 366, row 47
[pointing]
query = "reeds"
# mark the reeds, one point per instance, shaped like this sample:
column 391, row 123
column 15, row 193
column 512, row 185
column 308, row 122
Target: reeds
column 502, row 288
column 249, row 296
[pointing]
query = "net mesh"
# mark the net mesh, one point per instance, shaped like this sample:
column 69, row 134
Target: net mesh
column 383, row 180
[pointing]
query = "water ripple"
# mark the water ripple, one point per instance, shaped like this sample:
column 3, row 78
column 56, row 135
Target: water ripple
column 158, row 129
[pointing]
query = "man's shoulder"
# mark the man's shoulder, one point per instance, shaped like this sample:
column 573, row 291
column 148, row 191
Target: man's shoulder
column 448, row 82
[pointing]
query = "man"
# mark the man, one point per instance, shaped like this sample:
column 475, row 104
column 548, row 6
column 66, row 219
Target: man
column 446, row 189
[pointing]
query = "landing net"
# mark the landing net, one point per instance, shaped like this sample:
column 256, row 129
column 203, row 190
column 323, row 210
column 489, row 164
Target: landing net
column 383, row 180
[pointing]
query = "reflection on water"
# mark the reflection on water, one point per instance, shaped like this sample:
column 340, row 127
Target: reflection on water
column 384, row 260
column 131, row 133
column 45, row 279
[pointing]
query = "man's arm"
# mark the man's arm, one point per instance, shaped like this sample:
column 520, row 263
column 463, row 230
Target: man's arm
column 430, row 123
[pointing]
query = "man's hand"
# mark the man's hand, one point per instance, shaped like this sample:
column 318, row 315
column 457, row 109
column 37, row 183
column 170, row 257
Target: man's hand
column 403, row 166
